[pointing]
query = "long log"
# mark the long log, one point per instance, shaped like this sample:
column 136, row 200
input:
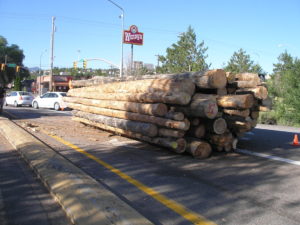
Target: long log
column 245, row 84
column 180, row 125
column 199, row 149
column 211, row 79
column 236, row 101
column 197, row 131
column 176, row 145
column 230, row 77
column 148, row 129
column 164, row 132
column 248, row 77
column 259, row 92
column 144, row 86
column 179, row 116
column 157, row 109
column 159, row 97
column 236, row 112
column 221, row 139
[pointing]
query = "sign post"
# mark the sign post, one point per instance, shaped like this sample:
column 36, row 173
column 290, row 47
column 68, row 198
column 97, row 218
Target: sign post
column 133, row 37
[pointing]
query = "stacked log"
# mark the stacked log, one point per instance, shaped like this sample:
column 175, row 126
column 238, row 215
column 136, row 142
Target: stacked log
column 190, row 112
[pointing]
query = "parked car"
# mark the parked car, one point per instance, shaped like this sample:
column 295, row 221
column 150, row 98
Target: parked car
column 51, row 100
column 19, row 98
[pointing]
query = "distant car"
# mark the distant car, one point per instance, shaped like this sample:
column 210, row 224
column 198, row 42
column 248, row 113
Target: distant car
column 19, row 98
column 51, row 100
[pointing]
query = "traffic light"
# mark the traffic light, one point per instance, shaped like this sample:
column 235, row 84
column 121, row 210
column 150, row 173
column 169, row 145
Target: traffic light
column 18, row 69
column 3, row 67
column 75, row 65
column 84, row 64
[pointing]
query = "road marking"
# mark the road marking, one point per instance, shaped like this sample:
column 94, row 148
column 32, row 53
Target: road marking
column 171, row 204
column 271, row 157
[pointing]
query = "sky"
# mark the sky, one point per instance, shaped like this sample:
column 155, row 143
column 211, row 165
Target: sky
column 92, row 29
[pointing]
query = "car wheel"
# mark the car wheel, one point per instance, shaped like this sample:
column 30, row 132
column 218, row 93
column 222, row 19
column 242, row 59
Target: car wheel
column 16, row 104
column 56, row 106
column 35, row 105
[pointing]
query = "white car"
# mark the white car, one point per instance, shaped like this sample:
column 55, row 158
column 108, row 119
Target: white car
column 51, row 100
column 18, row 98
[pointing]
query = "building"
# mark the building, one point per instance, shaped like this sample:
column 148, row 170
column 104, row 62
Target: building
column 60, row 83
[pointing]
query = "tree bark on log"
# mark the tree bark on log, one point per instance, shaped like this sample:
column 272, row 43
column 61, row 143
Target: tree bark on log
column 235, row 112
column 211, row 79
column 179, row 116
column 230, row 77
column 164, row 132
column 147, row 129
column 199, row 149
column 159, row 97
column 180, row 125
column 259, row 92
column 236, row 101
column 156, row 109
column 248, row 77
column 176, row 145
column 145, row 86
column 217, row 126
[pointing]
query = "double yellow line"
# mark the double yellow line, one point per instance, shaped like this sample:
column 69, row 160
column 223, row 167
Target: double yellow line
column 171, row 204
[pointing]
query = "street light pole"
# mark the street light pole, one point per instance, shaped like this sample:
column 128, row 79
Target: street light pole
column 40, row 86
column 52, row 55
column 122, row 17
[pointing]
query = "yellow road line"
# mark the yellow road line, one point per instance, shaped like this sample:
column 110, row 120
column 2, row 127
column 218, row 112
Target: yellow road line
column 171, row 204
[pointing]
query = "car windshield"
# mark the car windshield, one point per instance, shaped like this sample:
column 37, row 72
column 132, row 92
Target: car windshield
column 24, row 93
column 63, row 94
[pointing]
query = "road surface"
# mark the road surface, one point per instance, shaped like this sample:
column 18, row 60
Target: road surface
column 235, row 188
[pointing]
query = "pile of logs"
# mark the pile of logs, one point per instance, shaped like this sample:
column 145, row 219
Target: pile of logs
column 189, row 112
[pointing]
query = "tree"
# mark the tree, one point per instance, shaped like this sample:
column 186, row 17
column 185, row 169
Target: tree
column 241, row 62
column 185, row 55
column 284, row 88
column 11, row 54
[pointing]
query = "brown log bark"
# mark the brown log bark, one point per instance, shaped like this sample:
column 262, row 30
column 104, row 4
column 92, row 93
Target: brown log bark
column 179, row 116
column 199, row 149
column 248, row 77
column 145, row 86
column 236, row 101
column 239, row 126
column 159, row 97
column 200, row 108
column 230, row 77
column 236, row 112
column 147, row 129
column 157, row 109
column 197, row 131
column 245, row 84
column 181, row 125
column 221, row 139
column 211, row 79
column 176, row 145
column 164, row 132
column 259, row 92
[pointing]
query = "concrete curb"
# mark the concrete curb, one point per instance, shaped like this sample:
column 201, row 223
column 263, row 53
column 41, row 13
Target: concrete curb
column 85, row 201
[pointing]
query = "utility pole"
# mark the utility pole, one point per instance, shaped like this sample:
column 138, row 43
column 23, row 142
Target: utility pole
column 157, row 60
column 52, row 54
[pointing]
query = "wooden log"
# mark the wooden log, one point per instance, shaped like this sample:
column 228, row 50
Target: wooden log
column 248, row 77
column 230, row 77
column 239, row 126
column 236, row 101
column 217, row 126
column 194, row 121
column 203, row 108
column 144, row 86
column 164, row 132
column 180, row 125
column 157, row 109
column 231, row 90
column 176, row 145
column 245, row 84
column 147, row 129
column 221, row 91
column 236, row 112
column 197, row 131
column 211, row 79
column 159, row 97
column 199, row 149
column 179, row 116
column 254, row 114
column 221, row 139
column 259, row 92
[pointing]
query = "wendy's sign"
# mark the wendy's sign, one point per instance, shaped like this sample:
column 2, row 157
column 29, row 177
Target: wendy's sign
column 133, row 36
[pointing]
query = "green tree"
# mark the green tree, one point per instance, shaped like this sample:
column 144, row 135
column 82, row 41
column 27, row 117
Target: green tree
column 185, row 55
column 11, row 54
column 241, row 62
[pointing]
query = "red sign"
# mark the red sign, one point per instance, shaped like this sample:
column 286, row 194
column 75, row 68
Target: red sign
column 133, row 36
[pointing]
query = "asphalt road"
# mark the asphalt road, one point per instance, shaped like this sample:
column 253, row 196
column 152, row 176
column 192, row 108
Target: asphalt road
column 23, row 199
column 235, row 188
